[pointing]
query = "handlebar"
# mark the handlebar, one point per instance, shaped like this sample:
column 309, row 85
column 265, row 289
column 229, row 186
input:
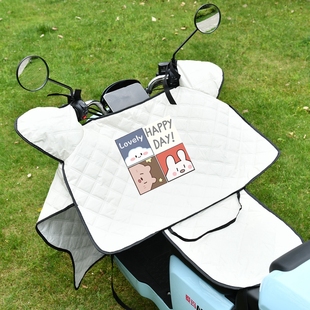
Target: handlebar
column 103, row 107
column 96, row 103
column 99, row 109
column 155, row 82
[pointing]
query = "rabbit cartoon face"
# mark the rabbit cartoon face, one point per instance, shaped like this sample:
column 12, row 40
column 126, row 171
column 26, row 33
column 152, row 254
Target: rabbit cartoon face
column 176, row 169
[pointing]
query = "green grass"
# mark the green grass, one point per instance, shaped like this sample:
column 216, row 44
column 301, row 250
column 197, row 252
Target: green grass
column 264, row 50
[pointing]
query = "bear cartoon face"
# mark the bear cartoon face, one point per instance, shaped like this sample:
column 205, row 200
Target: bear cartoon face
column 142, row 177
column 137, row 155
column 176, row 169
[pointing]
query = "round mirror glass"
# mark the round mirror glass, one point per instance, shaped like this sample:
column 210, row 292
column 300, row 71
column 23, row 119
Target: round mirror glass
column 207, row 18
column 32, row 73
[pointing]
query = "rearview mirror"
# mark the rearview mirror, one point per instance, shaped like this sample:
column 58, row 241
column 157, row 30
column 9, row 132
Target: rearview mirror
column 207, row 18
column 32, row 73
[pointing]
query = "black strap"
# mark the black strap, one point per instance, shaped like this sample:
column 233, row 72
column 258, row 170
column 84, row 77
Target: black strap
column 212, row 230
column 168, row 93
column 119, row 301
column 171, row 80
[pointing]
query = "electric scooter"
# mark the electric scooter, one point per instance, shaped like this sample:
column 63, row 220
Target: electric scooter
column 213, row 257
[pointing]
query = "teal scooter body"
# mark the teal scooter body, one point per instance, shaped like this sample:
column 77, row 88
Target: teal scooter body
column 188, row 290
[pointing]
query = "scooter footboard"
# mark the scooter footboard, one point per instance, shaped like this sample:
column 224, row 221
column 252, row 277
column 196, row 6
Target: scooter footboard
column 146, row 267
column 154, row 270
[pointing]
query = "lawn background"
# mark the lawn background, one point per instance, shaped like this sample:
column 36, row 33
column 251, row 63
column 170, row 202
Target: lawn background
column 264, row 50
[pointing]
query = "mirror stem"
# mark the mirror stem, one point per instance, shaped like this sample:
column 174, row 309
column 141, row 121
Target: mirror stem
column 63, row 85
column 173, row 57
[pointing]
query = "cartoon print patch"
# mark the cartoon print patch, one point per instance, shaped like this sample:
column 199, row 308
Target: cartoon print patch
column 154, row 155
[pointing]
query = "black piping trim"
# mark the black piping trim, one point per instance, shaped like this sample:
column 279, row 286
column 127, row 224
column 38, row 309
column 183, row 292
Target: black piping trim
column 220, row 88
column 276, row 215
column 262, row 135
column 33, row 145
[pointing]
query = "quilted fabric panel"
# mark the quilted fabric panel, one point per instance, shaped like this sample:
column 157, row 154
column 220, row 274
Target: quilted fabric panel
column 212, row 76
column 53, row 130
column 239, row 255
column 227, row 154
column 65, row 231
column 58, row 196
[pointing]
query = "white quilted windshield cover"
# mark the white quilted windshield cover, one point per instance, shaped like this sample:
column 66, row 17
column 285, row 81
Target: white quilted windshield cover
column 225, row 151
column 205, row 152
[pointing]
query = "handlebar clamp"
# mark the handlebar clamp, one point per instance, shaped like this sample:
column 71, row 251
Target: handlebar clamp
column 80, row 107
